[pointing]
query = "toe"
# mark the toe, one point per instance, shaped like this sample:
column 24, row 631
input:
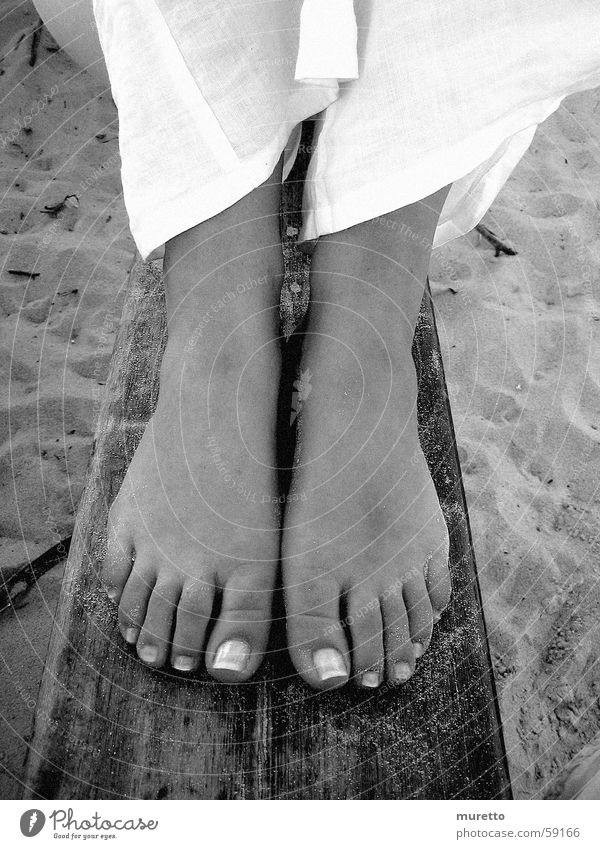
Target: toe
column 192, row 618
column 316, row 639
column 438, row 584
column 366, row 630
column 399, row 651
column 154, row 641
column 237, row 644
column 420, row 615
column 118, row 562
column 135, row 597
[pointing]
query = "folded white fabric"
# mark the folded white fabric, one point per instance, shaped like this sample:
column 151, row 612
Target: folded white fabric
column 327, row 50
column 448, row 92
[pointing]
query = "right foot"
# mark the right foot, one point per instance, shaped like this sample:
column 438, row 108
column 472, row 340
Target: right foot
column 193, row 541
column 194, row 522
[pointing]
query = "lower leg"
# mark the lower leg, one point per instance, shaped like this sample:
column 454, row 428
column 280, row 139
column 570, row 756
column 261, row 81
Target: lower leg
column 194, row 521
column 367, row 532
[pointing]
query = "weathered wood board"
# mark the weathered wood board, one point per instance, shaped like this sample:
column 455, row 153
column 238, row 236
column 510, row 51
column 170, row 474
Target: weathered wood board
column 107, row 727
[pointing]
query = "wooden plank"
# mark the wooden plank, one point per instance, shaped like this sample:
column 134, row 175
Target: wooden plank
column 108, row 727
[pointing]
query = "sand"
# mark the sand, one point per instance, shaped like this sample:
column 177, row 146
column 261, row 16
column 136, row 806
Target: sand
column 58, row 137
column 520, row 342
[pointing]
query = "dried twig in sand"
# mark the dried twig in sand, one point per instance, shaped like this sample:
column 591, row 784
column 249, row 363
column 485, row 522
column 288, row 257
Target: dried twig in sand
column 18, row 273
column 68, row 200
column 501, row 248
column 18, row 583
column 35, row 42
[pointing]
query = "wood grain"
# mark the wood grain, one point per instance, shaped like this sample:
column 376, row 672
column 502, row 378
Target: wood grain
column 108, row 727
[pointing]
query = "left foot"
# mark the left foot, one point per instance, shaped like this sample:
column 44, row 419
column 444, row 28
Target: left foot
column 365, row 543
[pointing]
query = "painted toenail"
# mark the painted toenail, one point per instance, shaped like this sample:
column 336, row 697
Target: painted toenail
column 370, row 679
column 402, row 671
column 418, row 649
column 148, row 654
column 184, row 663
column 131, row 635
column 329, row 664
column 233, row 654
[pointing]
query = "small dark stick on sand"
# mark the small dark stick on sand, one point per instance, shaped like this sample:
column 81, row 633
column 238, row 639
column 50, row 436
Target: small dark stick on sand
column 58, row 207
column 18, row 273
column 35, row 42
column 16, row 585
column 501, row 248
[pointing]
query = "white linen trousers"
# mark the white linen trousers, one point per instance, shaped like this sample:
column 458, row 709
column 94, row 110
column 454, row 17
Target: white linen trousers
column 415, row 95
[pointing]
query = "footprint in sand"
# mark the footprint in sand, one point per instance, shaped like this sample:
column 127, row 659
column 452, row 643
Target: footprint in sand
column 499, row 407
column 555, row 205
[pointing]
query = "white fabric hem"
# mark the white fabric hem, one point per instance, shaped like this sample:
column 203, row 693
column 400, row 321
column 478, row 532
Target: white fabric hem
column 402, row 188
column 178, row 214
column 474, row 187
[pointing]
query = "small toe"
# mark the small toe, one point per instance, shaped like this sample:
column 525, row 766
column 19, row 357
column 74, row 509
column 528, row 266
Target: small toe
column 438, row 583
column 420, row 615
column 118, row 562
column 192, row 619
column 135, row 597
column 238, row 641
column 366, row 630
column 399, row 651
column 316, row 639
column 155, row 634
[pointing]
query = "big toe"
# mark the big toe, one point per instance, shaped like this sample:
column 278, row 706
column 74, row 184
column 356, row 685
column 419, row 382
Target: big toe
column 316, row 639
column 239, row 638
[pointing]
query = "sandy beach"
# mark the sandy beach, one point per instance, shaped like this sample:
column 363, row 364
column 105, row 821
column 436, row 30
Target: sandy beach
column 520, row 337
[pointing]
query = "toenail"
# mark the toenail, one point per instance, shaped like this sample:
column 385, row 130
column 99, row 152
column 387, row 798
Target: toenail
column 233, row 654
column 370, row 679
column 402, row 671
column 184, row 663
column 112, row 593
column 148, row 654
column 329, row 664
column 436, row 617
column 418, row 649
column 131, row 635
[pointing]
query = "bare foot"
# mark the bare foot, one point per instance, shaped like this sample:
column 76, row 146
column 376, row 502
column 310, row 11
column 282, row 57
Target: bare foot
column 365, row 544
column 194, row 532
